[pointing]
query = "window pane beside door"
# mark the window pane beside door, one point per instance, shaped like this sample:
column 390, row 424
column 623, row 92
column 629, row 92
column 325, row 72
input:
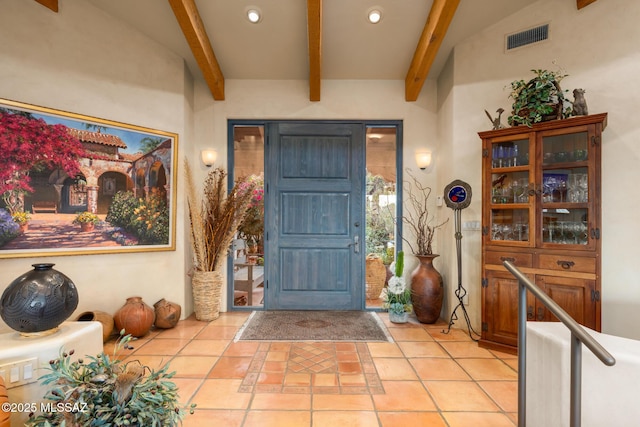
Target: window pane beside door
column 380, row 229
column 248, row 254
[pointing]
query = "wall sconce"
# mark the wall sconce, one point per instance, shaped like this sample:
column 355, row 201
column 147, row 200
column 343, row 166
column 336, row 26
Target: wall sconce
column 423, row 159
column 209, row 156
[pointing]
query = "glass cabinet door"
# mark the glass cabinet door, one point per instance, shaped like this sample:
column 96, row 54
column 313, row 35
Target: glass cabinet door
column 565, row 192
column 511, row 192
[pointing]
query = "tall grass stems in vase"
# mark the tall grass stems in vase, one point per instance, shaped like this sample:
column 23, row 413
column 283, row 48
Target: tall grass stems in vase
column 215, row 217
column 417, row 217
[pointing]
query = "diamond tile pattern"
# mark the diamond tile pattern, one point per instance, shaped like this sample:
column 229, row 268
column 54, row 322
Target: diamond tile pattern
column 313, row 358
column 321, row 367
column 425, row 377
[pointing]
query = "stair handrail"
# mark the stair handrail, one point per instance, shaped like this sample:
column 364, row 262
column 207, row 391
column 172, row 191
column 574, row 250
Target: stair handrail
column 578, row 336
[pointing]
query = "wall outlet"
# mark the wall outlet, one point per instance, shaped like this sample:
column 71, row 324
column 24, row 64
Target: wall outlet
column 20, row 372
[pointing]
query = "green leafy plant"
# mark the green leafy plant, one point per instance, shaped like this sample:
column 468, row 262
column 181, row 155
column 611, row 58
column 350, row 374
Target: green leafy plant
column 538, row 99
column 145, row 218
column 104, row 391
column 86, row 218
column 397, row 299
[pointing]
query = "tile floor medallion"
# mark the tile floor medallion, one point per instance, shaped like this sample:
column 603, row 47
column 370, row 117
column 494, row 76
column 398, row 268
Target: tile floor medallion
column 423, row 378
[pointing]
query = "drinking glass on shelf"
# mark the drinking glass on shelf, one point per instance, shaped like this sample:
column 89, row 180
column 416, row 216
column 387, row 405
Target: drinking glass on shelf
column 561, row 188
column 548, row 189
column 496, row 231
column 583, row 184
column 507, row 232
column 573, row 190
column 583, row 232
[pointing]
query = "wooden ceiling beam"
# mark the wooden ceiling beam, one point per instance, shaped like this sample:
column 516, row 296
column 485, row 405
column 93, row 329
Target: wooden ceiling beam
column 193, row 29
column 51, row 4
column 435, row 28
column 583, row 3
column 314, row 29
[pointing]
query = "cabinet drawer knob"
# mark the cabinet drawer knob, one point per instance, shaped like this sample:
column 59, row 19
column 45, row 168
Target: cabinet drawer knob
column 507, row 258
column 530, row 312
column 566, row 264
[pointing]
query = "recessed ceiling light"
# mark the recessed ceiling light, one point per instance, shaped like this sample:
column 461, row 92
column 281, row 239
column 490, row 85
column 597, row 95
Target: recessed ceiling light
column 374, row 15
column 254, row 15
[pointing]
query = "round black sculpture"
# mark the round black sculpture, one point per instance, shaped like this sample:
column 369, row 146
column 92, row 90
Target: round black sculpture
column 38, row 300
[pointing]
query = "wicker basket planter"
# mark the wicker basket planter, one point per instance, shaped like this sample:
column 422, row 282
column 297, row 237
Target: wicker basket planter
column 376, row 276
column 207, row 291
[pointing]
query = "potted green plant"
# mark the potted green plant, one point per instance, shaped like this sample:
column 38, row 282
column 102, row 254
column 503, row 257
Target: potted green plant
column 105, row 391
column 397, row 299
column 87, row 220
column 538, row 99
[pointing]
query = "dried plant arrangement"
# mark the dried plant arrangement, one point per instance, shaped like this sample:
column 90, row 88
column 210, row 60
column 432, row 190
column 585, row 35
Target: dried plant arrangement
column 215, row 217
column 417, row 217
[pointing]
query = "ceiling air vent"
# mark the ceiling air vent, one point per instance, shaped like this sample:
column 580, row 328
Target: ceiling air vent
column 527, row 37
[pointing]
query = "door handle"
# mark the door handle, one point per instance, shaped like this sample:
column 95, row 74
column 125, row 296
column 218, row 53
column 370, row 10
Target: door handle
column 356, row 244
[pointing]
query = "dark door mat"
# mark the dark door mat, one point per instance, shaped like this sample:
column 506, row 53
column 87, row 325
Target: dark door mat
column 313, row 326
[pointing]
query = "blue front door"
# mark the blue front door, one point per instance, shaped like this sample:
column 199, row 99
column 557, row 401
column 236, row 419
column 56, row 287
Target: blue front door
column 315, row 216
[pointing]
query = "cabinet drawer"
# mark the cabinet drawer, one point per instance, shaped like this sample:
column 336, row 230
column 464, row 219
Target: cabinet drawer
column 517, row 259
column 567, row 263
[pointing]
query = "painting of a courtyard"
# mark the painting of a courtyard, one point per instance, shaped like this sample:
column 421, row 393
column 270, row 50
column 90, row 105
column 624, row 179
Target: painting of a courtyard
column 72, row 184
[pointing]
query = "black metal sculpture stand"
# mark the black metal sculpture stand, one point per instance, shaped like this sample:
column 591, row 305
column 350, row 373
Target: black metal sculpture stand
column 460, row 292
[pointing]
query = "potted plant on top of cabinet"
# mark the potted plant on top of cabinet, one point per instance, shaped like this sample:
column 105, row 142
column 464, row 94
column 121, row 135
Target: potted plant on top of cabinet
column 538, row 99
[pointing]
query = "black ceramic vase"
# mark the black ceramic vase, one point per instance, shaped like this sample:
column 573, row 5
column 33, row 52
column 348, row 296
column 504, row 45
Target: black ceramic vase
column 38, row 300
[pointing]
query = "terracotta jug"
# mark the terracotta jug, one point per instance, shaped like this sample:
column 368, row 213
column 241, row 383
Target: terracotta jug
column 167, row 314
column 98, row 316
column 427, row 290
column 135, row 317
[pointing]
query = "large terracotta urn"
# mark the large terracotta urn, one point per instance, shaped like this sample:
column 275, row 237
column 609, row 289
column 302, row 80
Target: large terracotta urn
column 135, row 317
column 427, row 290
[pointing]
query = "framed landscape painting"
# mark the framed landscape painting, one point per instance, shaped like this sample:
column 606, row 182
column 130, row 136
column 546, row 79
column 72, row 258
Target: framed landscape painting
column 73, row 185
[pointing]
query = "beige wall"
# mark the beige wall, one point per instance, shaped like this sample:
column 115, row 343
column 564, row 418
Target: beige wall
column 597, row 46
column 81, row 60
column 84, row 61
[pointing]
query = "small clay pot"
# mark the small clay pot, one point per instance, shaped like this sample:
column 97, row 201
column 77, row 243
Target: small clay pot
column 99, row 316
column 167, row 314
column 135, row 317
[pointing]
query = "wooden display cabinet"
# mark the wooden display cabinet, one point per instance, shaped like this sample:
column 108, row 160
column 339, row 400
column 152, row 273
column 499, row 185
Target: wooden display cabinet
column 541, row 211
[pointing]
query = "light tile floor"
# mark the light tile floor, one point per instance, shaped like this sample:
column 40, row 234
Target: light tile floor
column 424, row 378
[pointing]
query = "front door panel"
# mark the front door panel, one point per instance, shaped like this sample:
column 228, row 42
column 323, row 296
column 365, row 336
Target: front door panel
column 315, row 216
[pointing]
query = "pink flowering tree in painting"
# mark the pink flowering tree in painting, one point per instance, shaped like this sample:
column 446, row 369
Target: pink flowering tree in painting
column 28, row 143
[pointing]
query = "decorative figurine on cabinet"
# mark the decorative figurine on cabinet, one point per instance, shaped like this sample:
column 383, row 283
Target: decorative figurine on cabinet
column 496, row 122
column 579, row 103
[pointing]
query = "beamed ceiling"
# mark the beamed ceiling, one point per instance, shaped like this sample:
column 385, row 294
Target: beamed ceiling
column 317, row 40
